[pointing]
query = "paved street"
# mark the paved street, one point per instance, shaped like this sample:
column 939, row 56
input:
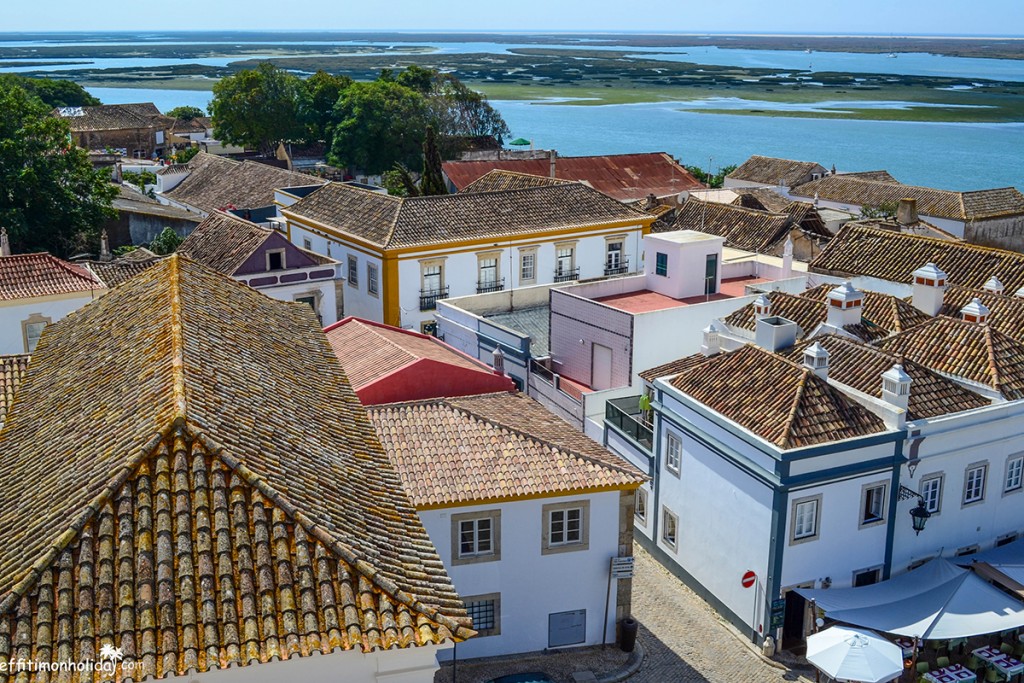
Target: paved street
column 684, row 638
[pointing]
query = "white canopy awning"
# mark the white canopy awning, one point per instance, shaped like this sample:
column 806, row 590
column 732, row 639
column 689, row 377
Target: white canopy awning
column 936, row 601
column 851, row 654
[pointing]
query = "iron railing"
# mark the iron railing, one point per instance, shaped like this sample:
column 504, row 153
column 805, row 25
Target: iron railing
column 567, row 274
column 616, row 268
column 484, row 286
column 429, row 297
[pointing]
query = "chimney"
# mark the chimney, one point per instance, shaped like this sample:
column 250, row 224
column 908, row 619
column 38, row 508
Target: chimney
column 775, row 333
column 762, row 307
column 974, row 312
column 498, row 361
column 929, row 288
column 712, row 343
column 906, row 212
column 787, row 258
column 652, row 202
column 552, row 156
column 993, row 286
column 816, row 199
column 844, row 306
column 896, row 387
column 105, row 254
column 816, row 360
column 5, row 245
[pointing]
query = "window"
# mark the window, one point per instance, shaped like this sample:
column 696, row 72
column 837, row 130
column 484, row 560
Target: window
column 669, row 528
column 433, row 277
column 1006, row 540
column 1014, row 470
column 640, row 508
column 311, row 300
column 711, row 274
column 566, row 527
column 353, row 270
column 476, row 537
column 967, row 550
column 866, row 577
column 614, row 262
column 527, row 266
column 661, row 264
column 31, row 329
column 487, row 273
column 275, row 259
column 307, row 244
column 565, row 262
column 485, row 611
column 931, row 492
column 372, row 281
column 974, row 484
column 872, row 507
column 805, row 519
column 673, row 452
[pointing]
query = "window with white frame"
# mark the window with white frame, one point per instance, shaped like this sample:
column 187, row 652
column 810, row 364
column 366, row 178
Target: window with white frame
column 487, row 270
column 805, row 519
column 640, row 507
column 353, row 270
column 485, row 611
column 872, row 504
column 614, row 256
column 974, row 484
column 275, row 259
column 433, row 277
column 673, row 452
column 476, row 537
column 372, row 279
column 669, row 528
column 931, row 493
column 566, row 527
column 307, row 244
column 527, row 265
column 32, row 329
column 1014, row 470
column 565, row 260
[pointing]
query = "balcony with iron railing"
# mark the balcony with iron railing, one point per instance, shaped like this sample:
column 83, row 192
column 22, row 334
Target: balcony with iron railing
column 485, row 286
column 429, row 297
column 619, row 267
column 625, row 415
column 567, row 274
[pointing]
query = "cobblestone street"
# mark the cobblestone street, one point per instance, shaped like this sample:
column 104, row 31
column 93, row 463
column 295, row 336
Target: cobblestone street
column 684, row 638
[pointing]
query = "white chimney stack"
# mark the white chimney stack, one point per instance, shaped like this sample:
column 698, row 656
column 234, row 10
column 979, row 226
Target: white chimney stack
column 498, row 361
column 816, row 360
column 974, row 312
column 762, row 307
column 896, row 387
column 929, row 289
column 775, row 333
column 712, row 342
column 844, row 306
column 787, row 258
column 993, row 286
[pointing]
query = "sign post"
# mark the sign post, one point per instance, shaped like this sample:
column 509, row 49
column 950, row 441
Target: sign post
column 618, row 568
column 749, row 578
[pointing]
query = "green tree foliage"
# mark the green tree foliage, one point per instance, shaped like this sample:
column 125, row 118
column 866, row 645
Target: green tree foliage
column 257, row 108
column 183, row 156
column 713, row 181
column 460, row 111
column 319, row 94
column 378, row 125
column 53, row 92
column 399, row 182
column 432, row 182
column 165, row 243
column 51, row 198
column 883, row 210
column 416, row 77
column 186, row 113
column 139, row 179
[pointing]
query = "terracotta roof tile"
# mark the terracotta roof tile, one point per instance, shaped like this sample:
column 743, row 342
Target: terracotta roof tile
column 499, row 181
column 24, row 276
column 742, row 228
column 218, row 182
column 883, row 311
column 806, row 312
column 224, row 242
column 1006, row 313
column 860, row 366
column 112, row 117
column 773, row 171
column 894, row 256
column 492, row 447
column 672, row 368
column 113, row 273
column 158, row 493
column 776, row 399
column 393, row 222
column 626, row 177
column 975, row 352
column 763, row 198
column 12, row 370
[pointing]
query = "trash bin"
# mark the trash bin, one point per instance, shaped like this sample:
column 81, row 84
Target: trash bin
column 629, row 626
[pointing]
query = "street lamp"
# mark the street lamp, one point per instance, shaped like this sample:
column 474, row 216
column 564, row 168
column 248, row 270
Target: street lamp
column 919, row 515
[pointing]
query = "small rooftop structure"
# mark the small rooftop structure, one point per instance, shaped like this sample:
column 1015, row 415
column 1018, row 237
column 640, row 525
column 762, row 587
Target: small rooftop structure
column 26, row 276
column 786, row 173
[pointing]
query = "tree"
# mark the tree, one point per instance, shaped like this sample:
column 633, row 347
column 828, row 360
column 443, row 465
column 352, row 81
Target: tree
column 883, row 210
column 52, row 91
column 257, row 108
column 399, row 182
column 715, row 180
column 185, row 113
column 458, row 110
column 165, row 243
column 51, row 198
column 379, row 124
column 319, row 94
column 432, row 182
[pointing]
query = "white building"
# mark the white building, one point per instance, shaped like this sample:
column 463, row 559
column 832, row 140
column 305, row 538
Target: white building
column 403, row 255
column 525, row 514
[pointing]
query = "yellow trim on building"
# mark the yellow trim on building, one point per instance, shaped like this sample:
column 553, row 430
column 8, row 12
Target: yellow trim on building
column 530, row 496
column 392, row 311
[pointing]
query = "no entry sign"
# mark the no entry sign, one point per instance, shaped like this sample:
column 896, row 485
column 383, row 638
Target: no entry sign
column 748, row 579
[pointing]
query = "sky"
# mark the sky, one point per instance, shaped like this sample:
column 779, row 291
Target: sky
column 876, row 17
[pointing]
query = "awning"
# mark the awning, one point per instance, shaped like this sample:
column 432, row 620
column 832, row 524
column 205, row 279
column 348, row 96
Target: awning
column 936, row 601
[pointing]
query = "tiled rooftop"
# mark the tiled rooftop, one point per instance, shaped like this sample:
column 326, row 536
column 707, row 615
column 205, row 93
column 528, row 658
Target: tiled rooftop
column 772, row 171
column 12, row 371
column 645, row 301
column 159, row 494
column 23, row 276
column 462, row 451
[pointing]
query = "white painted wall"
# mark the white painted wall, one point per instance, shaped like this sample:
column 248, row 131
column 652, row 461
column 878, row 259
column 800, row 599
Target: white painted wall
column 325, row 289
column 13, row 313
column 687, row 252
column 533, row 585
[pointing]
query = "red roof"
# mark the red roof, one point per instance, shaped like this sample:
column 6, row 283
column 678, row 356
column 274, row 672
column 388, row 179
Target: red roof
column 386, row 364
column 626, row 177
column 24, row 276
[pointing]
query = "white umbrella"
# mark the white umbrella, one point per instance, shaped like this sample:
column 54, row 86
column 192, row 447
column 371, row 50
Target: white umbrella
column 853, row 654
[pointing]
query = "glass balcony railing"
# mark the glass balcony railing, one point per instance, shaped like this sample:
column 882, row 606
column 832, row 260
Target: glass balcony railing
column 625, row 415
